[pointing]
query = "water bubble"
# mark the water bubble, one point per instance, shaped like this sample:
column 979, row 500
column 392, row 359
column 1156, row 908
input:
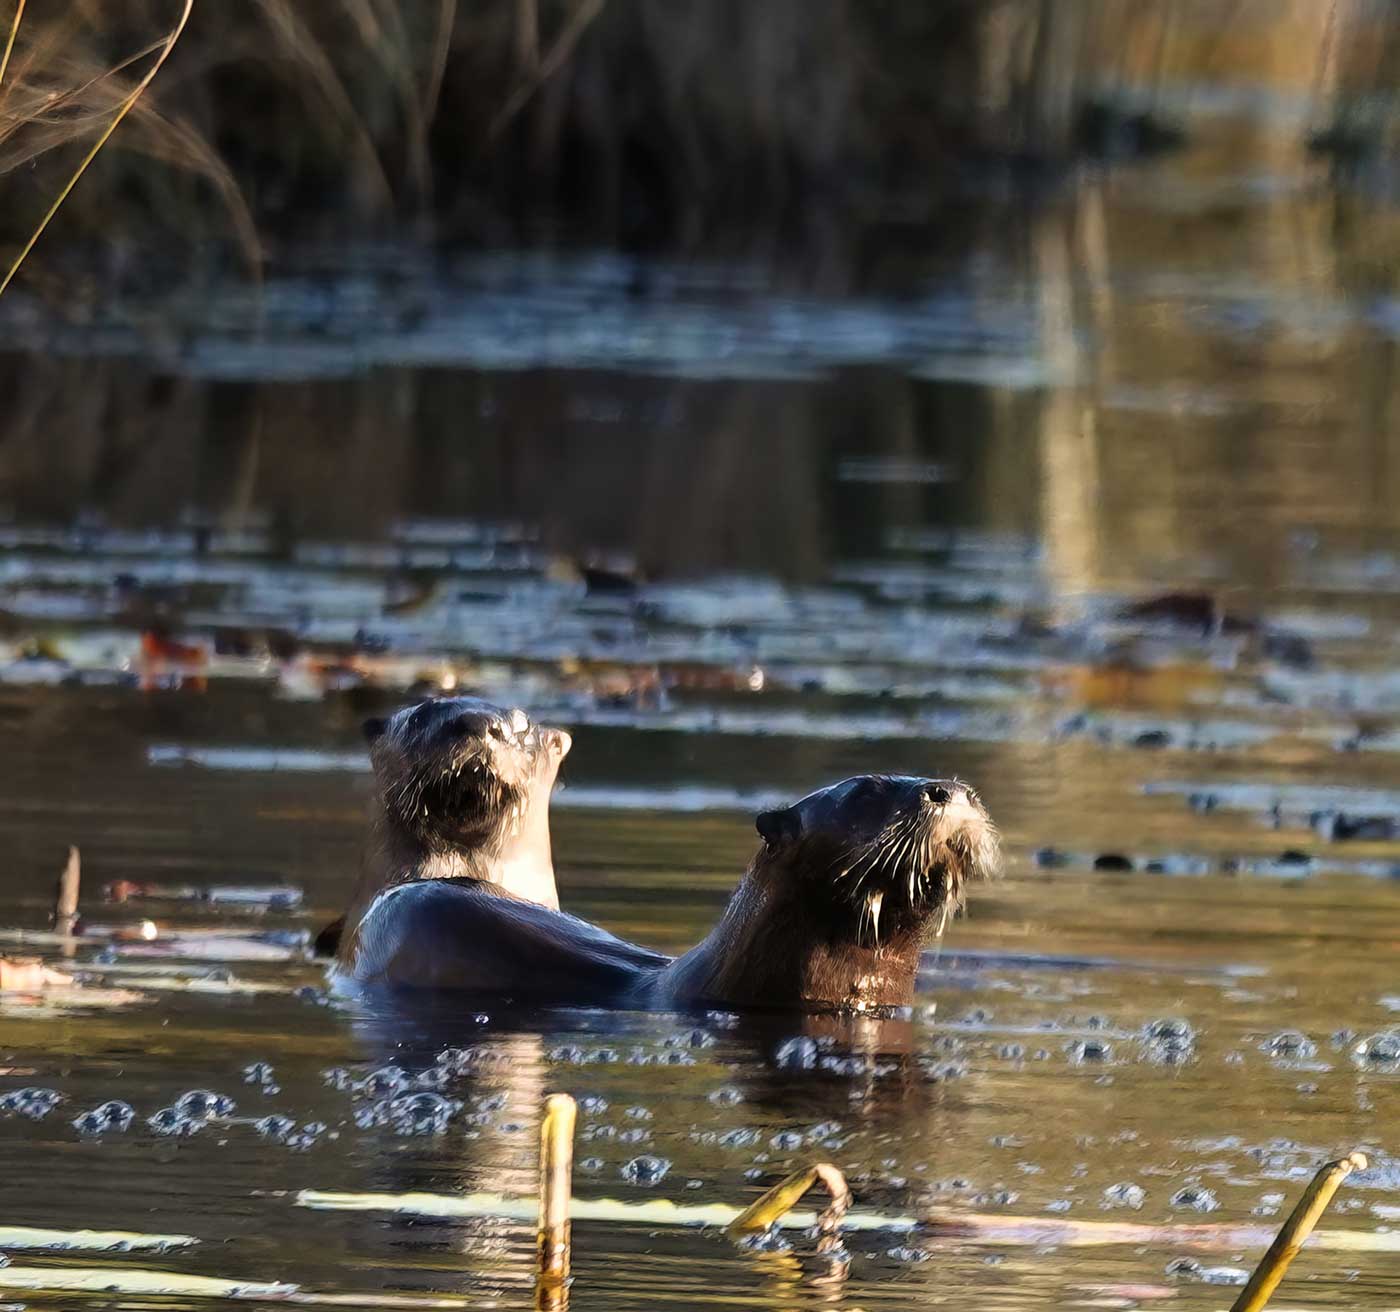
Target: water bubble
column 33, row 1103
column 411, row 1113
column 1289, row 1044
column 593, row 1105
column 1269, row 1205
column 203, row 1103
column 646, row 1170
column 275, row 1127
column 726, row 1095
column 847, row 1066
column 114, row 1115
column 638, row 1113
column 767, row 1241
column 796, row 1054
column 172, row 1121
column 997, row 1198
column 1187, row 1268
column 787, row 1140
column 1224, row 1275
column 1380, row 1050
column 1195, row 1198
column 1125, row 1195
column 1171, row 1029
column 383, row 1083
column 259, row 1072
column 1089, row 1050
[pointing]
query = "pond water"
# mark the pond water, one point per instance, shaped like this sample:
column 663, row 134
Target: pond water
column 1099, row 515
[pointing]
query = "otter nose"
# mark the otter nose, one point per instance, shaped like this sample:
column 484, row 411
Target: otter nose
column 937, row 794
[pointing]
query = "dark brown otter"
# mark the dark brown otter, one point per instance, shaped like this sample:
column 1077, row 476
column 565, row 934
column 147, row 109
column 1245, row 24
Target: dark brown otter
column 462, row 791
column 831, row 914
column 836, row 906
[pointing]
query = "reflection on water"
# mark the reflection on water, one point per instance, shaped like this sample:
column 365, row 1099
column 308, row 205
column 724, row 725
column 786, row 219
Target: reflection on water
column 1094, row 525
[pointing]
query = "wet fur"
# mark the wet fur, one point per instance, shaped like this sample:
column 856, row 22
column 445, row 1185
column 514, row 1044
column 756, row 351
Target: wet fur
column 459, row 785
column 797, row 933
column 470, row 936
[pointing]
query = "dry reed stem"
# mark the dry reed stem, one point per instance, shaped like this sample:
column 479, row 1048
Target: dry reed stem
column 786, row 1194
column 10, row 41
column 101, row 141
column 559, row 52
column 1294, row 1232
column 299, row 42
column 65, row 908
column 556, row 1187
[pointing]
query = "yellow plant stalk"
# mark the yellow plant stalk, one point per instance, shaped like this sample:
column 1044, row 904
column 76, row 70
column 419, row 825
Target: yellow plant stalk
column 122, row 111
column 10, row 41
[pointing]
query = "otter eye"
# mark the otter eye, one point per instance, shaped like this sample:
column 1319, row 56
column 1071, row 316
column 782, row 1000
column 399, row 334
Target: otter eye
column 776, row 827
column 937, row 794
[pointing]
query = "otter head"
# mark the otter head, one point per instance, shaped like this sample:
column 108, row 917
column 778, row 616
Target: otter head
column 464, row 790
column 848, row 885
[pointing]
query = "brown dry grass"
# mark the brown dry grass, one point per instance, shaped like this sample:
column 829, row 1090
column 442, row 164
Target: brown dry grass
column 642, row 122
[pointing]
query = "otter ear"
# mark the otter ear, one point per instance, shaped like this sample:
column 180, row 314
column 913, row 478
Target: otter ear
column 776, row 827
column 374, row 730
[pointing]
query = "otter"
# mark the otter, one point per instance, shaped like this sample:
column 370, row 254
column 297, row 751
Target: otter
column 832, row 914
column 462, row 791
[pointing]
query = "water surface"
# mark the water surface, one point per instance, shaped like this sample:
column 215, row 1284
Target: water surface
column 1085, row 520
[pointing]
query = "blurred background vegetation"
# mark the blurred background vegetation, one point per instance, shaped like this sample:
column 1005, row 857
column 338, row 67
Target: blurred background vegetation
column 794, row 125
column 1183, row 209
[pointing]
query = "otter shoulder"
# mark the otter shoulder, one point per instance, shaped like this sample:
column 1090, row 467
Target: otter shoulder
column 469, row 935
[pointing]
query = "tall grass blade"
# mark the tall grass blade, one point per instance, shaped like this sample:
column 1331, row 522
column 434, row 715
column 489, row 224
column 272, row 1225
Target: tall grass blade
column 101, row 141
column 10, row 40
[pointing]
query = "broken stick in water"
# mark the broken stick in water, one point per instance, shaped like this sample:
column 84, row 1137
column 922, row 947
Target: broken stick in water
column 65, row 907
column 1295, row 1231
column 786, row 1194
column 556, row 1188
